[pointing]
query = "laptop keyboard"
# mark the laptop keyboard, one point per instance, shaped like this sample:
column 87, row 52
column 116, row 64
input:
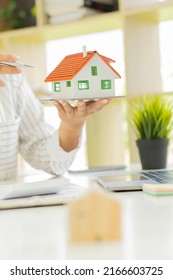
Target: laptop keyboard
column 160, row 176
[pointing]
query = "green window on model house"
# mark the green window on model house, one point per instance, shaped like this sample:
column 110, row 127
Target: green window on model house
column 106, row 84
column 57, row 87
column 94, row 70
column 68, row 83
column 84, row 84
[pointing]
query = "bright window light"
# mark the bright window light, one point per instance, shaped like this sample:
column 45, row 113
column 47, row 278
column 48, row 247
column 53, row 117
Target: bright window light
column 166, row 54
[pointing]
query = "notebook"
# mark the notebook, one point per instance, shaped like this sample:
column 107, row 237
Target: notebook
column 53, row 191
column 126, row 181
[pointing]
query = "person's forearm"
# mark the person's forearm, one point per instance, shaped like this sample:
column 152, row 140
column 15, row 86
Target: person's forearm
column 69, row 137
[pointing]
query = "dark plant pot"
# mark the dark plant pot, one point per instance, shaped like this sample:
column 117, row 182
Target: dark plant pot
column 153, row 153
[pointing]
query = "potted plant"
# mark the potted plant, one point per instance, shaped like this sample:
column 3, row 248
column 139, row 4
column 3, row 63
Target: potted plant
column 152, row 121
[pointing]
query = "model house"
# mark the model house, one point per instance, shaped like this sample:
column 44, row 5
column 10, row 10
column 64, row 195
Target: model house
column 94, row 216
column 85, row 75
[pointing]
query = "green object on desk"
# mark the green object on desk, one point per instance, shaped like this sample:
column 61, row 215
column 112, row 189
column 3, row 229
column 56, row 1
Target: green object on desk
column 158, row 189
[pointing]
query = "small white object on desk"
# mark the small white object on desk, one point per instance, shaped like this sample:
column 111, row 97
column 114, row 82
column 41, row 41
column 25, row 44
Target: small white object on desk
column 58, row 190
column 35, row 188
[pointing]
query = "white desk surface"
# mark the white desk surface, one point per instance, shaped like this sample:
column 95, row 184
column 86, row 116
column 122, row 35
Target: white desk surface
column 42, row 232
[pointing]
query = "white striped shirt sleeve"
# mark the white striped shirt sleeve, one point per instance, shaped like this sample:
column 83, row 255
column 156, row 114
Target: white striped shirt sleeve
column 37, row 141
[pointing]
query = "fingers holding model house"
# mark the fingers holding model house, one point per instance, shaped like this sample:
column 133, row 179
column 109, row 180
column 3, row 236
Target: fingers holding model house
column 6, row 69
column 73, row 120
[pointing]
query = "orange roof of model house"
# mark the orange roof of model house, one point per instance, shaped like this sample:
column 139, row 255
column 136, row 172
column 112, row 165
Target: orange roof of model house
column 72, row 64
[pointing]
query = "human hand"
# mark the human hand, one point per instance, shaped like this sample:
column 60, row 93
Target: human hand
column 74, row 117
column 7, row 57
column 73, row 120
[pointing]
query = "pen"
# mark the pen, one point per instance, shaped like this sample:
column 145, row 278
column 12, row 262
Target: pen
column 16, row 64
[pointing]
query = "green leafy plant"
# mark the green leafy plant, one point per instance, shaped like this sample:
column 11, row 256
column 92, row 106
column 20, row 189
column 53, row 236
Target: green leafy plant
column 152, row 117
column 7, row 11
column 13, row 15
column 16, row 14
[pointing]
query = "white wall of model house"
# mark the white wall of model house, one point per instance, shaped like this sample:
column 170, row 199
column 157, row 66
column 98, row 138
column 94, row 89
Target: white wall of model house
column 94, row 91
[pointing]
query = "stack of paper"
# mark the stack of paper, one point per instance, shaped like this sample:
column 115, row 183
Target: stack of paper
column 55, row 7
column 158, row 189
column 59, row 11
column 58, row 190
column 128, row 4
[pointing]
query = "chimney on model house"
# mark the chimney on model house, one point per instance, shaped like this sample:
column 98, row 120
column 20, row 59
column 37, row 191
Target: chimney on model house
column 84, row 51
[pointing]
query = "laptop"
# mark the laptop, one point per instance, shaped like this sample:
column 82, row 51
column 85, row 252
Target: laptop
column 127, row 181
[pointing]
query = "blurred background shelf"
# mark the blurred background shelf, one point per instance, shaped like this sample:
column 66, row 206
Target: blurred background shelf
column 42, row 33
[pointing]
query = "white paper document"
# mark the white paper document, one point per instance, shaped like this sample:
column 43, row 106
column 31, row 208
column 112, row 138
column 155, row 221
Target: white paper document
column 58, row 190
